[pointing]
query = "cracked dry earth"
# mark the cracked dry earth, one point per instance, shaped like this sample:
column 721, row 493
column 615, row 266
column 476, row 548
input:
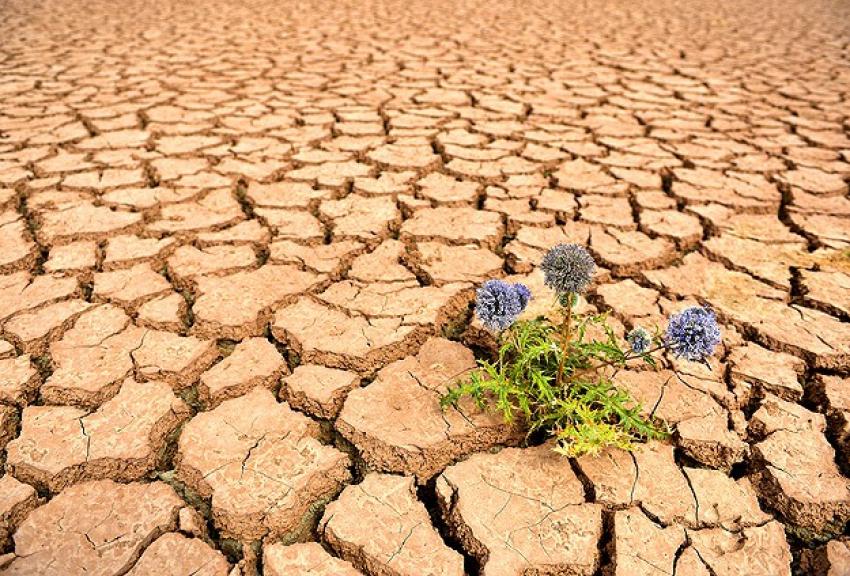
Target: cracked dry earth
column 239, row 242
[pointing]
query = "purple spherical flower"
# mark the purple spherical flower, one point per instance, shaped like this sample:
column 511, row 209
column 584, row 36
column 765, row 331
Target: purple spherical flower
column 693, row 334
column 524, row 294
column 497, row 303
column 568, row 268
column 639, row 339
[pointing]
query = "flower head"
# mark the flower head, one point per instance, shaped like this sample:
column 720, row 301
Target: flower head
column 693, row 334
column 524, row 294
column 639, row 339
column 567, row 268
column 497, row 303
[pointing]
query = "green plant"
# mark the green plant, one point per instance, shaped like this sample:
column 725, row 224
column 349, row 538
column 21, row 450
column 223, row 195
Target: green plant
column 558, row 376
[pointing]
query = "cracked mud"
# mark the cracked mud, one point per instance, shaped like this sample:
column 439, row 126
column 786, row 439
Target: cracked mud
column 239, row 241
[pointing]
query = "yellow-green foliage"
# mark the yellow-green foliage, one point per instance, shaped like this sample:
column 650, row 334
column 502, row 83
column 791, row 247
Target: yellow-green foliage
column 582, row 409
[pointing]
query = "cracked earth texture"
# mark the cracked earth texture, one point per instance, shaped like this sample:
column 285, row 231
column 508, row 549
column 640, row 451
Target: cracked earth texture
column 239, row 243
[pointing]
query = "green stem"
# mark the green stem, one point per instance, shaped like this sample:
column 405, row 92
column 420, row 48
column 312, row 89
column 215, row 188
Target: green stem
column 627, row 358
column 510, row 336
column 565, row 339
column 514, row 340
column 500, row 343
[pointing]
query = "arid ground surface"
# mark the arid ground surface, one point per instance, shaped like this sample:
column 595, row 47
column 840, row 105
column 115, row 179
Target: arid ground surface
column 239, row 240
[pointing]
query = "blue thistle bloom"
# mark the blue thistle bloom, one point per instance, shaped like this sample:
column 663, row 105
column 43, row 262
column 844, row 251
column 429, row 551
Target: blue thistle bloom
column 497, row 303
column 693, row 334
column 524, row 294
column 639, row 339
column 568, row 268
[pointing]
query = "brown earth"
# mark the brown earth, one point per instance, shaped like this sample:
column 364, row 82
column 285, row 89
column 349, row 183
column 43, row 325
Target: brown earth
column 239, row 240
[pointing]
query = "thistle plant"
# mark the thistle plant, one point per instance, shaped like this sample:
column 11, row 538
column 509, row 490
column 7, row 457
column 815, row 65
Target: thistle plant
column 556, row 376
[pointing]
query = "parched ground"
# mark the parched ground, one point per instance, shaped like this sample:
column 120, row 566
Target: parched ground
column 239, row 240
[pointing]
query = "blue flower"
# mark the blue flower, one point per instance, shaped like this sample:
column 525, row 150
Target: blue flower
column 639, row 339
column 567, row 268
column 693, row 334
column 497, row 303
column 524, row 294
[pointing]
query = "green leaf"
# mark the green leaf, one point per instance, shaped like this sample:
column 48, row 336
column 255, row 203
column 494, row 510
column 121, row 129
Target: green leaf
column 584, row 415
